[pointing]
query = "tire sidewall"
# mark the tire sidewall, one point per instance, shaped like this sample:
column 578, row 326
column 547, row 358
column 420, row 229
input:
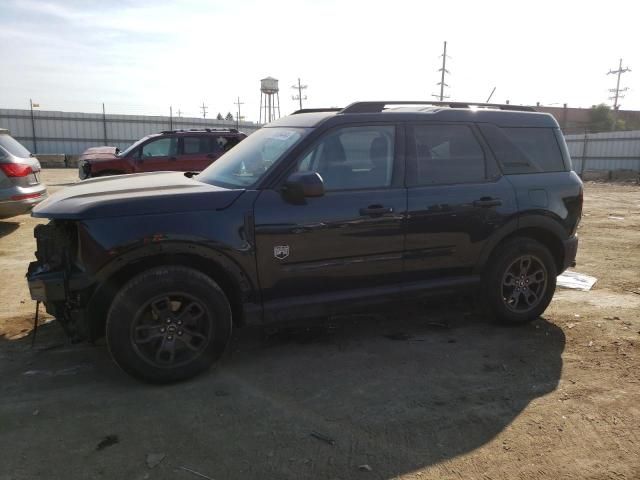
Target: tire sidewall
column 505, row 256
column 152, row 283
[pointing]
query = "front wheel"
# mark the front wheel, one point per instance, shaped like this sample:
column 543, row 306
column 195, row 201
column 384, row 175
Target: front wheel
column 168, row 324
column 520, row 281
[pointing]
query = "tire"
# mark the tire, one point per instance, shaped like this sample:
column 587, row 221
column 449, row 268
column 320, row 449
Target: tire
column 168, row 324
column 520, row 281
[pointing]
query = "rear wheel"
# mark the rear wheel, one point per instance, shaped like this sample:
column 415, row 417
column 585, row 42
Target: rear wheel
column 520, row 281
column 168, row 324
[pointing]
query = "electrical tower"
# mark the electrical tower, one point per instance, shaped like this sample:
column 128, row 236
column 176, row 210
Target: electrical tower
column 617, row 91
column 204, row 110
column 443, row 71
column 238, row 118
column 299, row 96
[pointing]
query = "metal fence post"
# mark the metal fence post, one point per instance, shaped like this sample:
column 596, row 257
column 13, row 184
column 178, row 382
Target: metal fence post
column 33, row 128
column 584, row 153
column 104, row 124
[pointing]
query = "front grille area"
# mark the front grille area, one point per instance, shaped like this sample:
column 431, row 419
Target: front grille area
column 55, row 244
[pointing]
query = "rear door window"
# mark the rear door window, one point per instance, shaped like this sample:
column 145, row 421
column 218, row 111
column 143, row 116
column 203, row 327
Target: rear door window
column 524, row 150
column 445, row 154
column 198, row 145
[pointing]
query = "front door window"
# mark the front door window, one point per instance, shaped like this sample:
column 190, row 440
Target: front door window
column 163, row 147
column 353, row 158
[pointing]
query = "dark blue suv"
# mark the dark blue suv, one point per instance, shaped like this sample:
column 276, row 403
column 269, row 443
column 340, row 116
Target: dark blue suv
column 320, row 212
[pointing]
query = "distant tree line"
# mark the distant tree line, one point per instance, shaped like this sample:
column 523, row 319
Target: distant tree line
column 229, row 117
column 602, row 119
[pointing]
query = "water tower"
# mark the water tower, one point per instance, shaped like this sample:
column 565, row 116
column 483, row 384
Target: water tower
column 269, row 99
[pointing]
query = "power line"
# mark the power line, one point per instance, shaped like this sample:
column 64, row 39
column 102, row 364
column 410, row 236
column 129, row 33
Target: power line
column 299, row 96
column 616, row 91
column 204, row 110
column 443, row 71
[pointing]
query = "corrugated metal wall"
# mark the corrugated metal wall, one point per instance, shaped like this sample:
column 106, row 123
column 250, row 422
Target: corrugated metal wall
column 605, row 151
column 72, row 133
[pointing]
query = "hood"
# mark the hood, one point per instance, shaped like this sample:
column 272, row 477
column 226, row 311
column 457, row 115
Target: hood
column 136, row 194
column 99, row 153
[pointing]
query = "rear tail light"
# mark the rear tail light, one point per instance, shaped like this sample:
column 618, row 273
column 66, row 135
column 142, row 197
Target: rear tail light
column 26, row 196
column 15, row 169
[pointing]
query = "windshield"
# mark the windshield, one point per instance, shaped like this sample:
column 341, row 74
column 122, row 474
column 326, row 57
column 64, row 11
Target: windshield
column 246, row 163
column 132, row 146
column 14, row 147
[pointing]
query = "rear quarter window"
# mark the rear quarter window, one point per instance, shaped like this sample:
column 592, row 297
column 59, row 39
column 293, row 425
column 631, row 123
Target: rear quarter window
column 524, row 150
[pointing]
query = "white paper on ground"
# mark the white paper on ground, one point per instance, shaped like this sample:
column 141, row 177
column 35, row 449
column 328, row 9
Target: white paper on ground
column 576, row 281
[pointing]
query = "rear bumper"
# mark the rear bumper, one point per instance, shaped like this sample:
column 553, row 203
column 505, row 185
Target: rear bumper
column 570, row 251
column 12, row 208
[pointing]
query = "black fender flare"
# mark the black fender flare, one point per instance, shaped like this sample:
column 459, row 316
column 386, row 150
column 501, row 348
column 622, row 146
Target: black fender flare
column 203, row 258
column 539, row 221
column 177, row 248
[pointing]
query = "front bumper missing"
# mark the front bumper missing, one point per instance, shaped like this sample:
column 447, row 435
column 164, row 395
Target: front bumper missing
column 46, row 286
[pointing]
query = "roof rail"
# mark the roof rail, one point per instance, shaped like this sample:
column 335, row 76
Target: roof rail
column 316, row 110
column 182, row 130
column 376, row 107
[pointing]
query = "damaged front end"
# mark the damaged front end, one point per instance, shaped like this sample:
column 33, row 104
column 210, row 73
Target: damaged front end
column 55, row 278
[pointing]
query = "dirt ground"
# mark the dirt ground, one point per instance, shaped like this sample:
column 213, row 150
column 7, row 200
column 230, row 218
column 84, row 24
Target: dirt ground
column 425, row 392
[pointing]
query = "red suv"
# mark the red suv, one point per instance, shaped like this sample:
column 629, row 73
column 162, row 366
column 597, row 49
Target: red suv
column 182, row 150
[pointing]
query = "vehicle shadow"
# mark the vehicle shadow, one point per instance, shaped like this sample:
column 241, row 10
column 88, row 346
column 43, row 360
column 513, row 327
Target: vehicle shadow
column 397, row 391
column 7, row 227
column 401, row 391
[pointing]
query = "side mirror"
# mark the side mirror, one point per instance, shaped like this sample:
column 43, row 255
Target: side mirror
column 301, row 185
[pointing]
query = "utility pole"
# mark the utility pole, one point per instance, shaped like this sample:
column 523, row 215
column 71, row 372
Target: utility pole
column 204, row 110
column 299, row 96
column 170, row 117
column 238, row 103
column 179, row 113
column 443, row 71
column 617, row 91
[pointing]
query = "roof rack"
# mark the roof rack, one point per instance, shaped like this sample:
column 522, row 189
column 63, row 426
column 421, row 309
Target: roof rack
column 376, row 107
column 182, row 130
column 316, row 110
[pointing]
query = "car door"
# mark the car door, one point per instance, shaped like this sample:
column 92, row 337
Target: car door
column 347, row 243
column 158, row 154
column 457, row 199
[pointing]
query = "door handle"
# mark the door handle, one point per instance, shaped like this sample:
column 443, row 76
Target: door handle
column 173, row 158
column 374, row 210
column 487, row 202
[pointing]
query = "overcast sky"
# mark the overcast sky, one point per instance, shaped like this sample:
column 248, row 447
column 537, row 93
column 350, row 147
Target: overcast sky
column 142, row 56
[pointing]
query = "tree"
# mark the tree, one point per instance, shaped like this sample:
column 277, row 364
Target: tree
column 600, row 119
column 229, row 117
column 219, row 117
